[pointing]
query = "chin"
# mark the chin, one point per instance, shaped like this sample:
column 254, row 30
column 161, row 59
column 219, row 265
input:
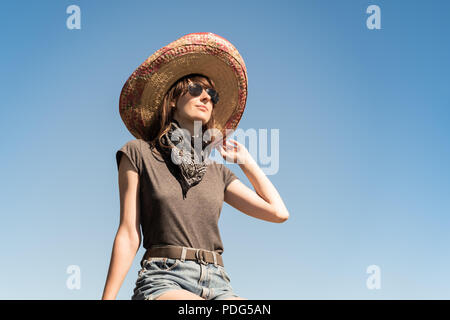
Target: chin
column 203, row 119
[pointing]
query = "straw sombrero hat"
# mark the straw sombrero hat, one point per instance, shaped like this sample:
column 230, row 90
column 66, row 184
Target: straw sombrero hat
column 203, row 53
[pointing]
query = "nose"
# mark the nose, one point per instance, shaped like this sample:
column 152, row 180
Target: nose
column 204, row 97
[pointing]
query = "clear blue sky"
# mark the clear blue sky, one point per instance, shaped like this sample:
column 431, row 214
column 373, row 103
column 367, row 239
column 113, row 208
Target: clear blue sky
column 364, row 153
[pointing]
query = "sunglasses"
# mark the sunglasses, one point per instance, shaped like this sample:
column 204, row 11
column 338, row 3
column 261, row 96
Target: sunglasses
column 196, row 89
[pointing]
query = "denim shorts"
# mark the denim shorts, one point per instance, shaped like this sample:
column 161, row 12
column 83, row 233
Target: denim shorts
column 159, row 275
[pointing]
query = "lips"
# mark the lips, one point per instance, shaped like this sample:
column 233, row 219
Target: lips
column 202, row 107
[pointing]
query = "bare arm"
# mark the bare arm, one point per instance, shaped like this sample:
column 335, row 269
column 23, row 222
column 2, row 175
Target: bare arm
column 266, row 203
column 128, row 237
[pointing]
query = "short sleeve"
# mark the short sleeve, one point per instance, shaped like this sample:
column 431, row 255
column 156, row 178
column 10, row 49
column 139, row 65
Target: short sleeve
column 132, row 149
column 228, row 176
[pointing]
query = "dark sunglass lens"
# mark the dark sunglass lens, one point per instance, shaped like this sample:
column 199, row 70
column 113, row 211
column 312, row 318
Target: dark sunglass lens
column 214, row 95
column 195, row 89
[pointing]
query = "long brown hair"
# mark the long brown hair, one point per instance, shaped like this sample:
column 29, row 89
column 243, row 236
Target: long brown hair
column 178, row 89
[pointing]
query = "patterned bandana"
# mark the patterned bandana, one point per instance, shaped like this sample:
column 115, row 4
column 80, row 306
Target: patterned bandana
column 187, row 164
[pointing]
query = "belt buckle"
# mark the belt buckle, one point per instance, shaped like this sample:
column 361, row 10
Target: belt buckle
column 200, row 257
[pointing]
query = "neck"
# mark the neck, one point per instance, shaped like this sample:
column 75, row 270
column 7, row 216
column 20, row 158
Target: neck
column 189, row 125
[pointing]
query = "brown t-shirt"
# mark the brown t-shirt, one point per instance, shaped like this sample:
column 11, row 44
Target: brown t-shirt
column 167, row 218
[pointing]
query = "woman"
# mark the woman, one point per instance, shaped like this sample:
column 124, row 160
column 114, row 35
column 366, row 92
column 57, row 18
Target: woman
column 168, row 186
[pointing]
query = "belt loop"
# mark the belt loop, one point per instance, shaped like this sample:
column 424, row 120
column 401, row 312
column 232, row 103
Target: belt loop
column 183, row 254
column 215, row 259
column 197, row 252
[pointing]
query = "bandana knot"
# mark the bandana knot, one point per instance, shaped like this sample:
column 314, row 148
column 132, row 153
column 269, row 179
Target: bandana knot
column 185, row 162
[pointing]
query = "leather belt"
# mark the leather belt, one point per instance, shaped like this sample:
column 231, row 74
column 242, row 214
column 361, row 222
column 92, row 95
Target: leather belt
column 183, row 253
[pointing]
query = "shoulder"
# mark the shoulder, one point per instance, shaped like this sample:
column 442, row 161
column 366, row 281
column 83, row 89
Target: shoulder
column 219, row 167
column 213, row 164
column 225, row 174
column 132, row 150
column 134, row 144
column 216, row 164
column 147, row 148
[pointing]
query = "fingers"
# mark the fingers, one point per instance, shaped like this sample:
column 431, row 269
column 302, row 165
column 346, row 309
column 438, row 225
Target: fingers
column 230, row 145
column 235, row 143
